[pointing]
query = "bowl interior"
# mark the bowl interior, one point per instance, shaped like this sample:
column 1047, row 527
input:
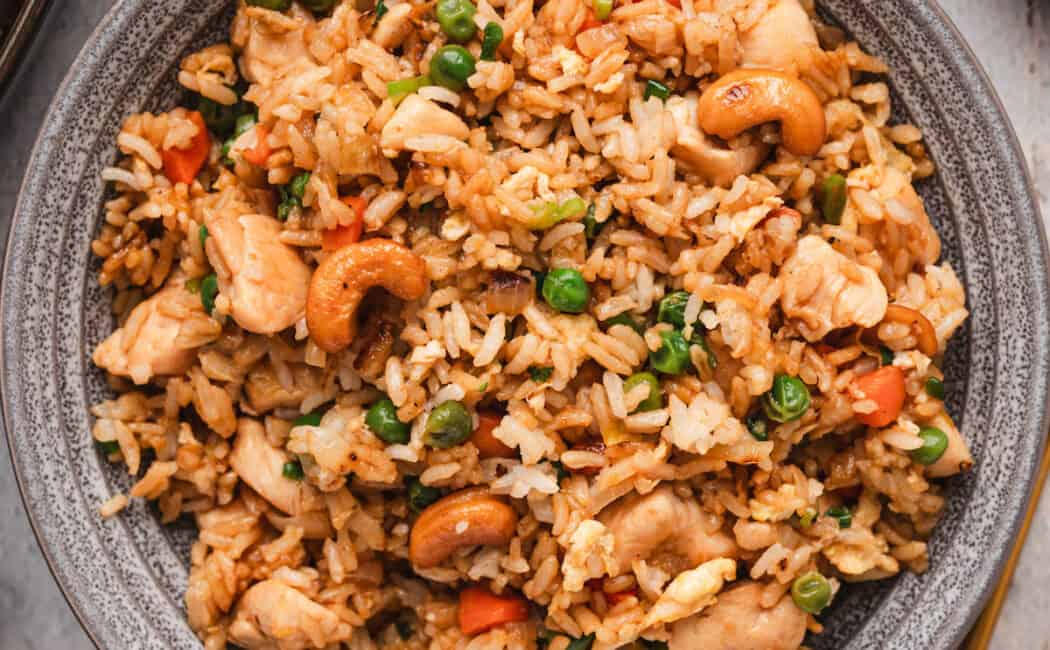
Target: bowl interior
column 125, row 577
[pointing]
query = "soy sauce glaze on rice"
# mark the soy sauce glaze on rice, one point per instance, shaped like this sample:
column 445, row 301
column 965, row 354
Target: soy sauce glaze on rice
column 528, row 324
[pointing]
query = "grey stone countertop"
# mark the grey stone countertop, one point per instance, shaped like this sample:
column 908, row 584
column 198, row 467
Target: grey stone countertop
column 1010, row 37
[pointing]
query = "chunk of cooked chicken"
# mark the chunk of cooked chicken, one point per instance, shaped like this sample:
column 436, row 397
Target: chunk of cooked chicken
column 395, row 25
column 260, row 466
column 416, row 116
column 264, row 279
column 272, row 43
column 782, row 39
column 273, row 616
column 662, row 522
column 697, row 152
column 160, row 336
column 342, row 444
column 265, row 391
column 956, row 458
column 825, row 290
column 739, row 622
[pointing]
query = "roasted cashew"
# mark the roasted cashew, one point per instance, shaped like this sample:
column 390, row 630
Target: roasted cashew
column 343, row 278
column 747, row 98
column 465, row 518
column 925, row 335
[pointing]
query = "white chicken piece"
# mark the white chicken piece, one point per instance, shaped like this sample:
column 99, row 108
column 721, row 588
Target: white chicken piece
column 782, row 39
column 697, row 152
column 272, row 43
column 416, row 116
column 151, row 342
column 663, row 522
column 260, row 466
column 739, row 622
column 264, row 279
column 273, row 616
column 825, row 290
column 956, row 458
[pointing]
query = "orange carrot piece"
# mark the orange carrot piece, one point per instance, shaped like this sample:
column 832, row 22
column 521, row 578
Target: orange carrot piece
column 481, row 610
column 183, row 165
column 489, row 446
column 258, row 154
column 340, row 236
column 885, row 387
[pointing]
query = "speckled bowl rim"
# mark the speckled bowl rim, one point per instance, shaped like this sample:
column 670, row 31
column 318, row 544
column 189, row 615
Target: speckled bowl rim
column 1029, row 223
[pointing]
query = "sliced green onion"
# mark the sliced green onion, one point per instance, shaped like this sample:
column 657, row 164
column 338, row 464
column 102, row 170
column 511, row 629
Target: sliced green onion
column 381, row 10
column 109, row 447
column 398, row 90
column 311, row 419
column 550, row 213
column 202, row 232
column 193, row 286
column 540, row 374
column 602, row 9
column 209, row 289
column 491, row 39
column 806, row 520
column 842, row 514
column 758, row 426
column 885, row 355
column 833, row 198
column 656, row 89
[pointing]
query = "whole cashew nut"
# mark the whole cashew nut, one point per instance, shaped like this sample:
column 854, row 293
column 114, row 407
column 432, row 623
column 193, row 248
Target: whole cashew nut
column 747, row 98
column 343, row 278
column 465, row 518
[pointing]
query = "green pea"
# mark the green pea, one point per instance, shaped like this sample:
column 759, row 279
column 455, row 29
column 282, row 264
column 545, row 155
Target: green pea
column 108, row 447
column 275, row 5
column 297, row 186
column 566, row 291
column 788, row 399
column 292, row 470
column 885, row 355
column 624, row 319
column 655, row 400
column 209, row 289
column 672, row 308
column 602, row 9
column 451, row 66
column 935, row 388
column 540, row 374
column 420, row 496
column 219, row 118
column 811, row 592
column 833, row 198
column 311, row 419
column 244, row 124
column 456, row 18
column 934, row 444
column 842, row 514
column 318, row 6
column 202, row 233
column 448, row 425
column 491, row 38
column 757, row 426
column 656, row 89
column 673, row 356
column 582, row 643
column 382, row 420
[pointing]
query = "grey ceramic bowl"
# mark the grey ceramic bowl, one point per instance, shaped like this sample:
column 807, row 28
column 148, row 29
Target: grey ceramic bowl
column 125, row 577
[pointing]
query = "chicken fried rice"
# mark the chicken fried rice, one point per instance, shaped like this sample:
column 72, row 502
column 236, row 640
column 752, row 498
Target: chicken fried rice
column 528, row 324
